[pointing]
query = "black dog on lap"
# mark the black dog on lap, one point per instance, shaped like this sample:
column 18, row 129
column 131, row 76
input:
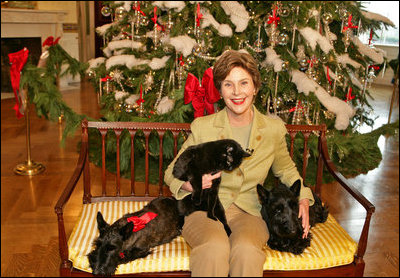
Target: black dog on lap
column 280, row 209
column 207, row 158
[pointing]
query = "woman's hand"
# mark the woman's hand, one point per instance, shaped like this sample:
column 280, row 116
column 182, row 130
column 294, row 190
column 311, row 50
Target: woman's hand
column 304, row 205
column 206, row 182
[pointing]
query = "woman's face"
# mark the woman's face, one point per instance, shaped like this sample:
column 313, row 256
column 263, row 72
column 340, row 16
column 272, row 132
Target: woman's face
column 238, row 91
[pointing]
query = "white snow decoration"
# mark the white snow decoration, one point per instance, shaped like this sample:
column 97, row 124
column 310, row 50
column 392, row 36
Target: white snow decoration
column 340, row 108
column 166, row 105
column 313, row 37
column 120, row 94
column 113, row 45
column 95, row 62
column 223, row 29
column 158, row 63
column 107, row 52
column 183, row 44
column 165, row 5
column 101, row 30
column 273, row 59
column 132, row 99
column 238, row 14
column 345, row 59
column 127, row 4
column 378, row 17
column 131, row 61
column 375, row 54
column 125, row 60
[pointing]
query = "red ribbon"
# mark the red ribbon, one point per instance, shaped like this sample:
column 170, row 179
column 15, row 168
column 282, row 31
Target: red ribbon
column 140, row 222
column 50, row 41
column 106, row 78
column 199, row 15
column 17, row 62
column 327, row 74
column 349, row 24
column 274, row 18
column 202, row 97
column 349, row 96
column 138, row 9
column 371, row 33
column 154, row 19
column 374, row 67
column 296, row 107
column 140, row 100
column 181, row 61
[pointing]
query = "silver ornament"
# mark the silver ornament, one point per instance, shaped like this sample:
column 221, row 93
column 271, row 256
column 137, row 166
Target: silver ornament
column 283, row 38
column 106, row 11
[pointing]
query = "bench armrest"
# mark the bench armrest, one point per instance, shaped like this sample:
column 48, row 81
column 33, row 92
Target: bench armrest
column 72, row 181
column 346, row 184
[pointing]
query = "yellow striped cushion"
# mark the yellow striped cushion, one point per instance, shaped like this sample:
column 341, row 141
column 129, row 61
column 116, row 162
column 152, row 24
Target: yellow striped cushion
column 331, row 245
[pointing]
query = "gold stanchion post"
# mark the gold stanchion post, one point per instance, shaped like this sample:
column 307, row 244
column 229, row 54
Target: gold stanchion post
column 29, row 168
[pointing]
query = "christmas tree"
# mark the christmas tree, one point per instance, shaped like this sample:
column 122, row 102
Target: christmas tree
column 314, row 68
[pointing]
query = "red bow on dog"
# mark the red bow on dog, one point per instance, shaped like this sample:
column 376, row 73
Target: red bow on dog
column 140, row 222
column 202, row 97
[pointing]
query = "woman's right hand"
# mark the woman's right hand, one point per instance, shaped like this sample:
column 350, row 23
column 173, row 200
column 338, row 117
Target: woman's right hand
column 206, row 181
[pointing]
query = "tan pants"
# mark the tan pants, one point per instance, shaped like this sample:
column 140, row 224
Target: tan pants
column 213, row 254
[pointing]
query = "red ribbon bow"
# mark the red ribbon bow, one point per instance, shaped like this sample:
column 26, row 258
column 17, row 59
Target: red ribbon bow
column 374, row 67
column 139, row 222
column 274, row 18
column 202, row 97
column 199, row 15
column 50, row 41
column 106, row 78
column 140, row 100
column 137, row 8
column 17, row 61
column 349, row 24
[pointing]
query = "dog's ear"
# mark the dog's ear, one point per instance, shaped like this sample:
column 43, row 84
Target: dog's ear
column 101, row 223
column 126, row 231
column 295, row 188
column 262, row 192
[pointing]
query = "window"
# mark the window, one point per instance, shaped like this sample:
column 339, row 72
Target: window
column 389, row 9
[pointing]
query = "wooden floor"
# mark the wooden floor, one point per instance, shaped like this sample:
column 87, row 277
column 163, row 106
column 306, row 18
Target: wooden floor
column 29, row 243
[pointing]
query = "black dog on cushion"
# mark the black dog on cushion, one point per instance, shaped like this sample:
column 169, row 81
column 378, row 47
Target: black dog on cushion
column 280, row 210
column 207, row 158
column 132, row 236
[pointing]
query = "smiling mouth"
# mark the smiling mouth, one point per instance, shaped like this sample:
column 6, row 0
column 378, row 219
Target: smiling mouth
column 238, row 101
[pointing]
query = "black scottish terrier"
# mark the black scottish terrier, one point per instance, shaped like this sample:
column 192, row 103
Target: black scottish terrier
column 207, row 158
column 280, row 209
column 124, row 241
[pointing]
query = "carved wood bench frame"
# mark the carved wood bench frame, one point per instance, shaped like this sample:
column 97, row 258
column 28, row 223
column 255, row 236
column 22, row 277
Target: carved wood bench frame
column 356, row 268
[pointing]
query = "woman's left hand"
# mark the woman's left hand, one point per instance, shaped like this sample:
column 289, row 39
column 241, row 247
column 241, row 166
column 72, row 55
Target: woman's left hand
column 304, row 205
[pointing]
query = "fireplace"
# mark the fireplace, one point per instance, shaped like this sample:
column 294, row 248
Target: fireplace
column 11, row 45
column 26, row 28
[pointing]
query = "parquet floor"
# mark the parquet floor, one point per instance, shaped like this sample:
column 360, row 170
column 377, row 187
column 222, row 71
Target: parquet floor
column 29, row 242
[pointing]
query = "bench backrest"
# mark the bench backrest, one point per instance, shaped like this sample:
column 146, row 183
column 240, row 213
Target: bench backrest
column 143, row 131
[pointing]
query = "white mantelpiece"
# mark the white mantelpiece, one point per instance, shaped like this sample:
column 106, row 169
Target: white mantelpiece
column 21, row 23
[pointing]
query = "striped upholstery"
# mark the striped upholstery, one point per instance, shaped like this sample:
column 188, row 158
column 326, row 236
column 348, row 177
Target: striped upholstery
column 331, row 245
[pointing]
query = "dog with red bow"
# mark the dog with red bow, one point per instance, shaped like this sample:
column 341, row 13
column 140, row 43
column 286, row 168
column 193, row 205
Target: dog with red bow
column 132, row 236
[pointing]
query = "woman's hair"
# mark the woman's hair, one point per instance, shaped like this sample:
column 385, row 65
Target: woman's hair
column 231, row 59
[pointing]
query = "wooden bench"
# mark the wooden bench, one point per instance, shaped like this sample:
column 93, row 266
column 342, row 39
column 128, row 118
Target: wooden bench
column 104, row 200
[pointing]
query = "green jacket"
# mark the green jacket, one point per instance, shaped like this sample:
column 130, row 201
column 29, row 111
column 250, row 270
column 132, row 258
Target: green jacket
column 239, row 186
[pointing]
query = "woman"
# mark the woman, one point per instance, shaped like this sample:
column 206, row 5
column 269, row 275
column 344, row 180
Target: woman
column 214, row 254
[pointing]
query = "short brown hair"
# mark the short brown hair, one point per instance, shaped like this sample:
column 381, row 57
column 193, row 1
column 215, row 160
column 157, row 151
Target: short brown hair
column 231, row 59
